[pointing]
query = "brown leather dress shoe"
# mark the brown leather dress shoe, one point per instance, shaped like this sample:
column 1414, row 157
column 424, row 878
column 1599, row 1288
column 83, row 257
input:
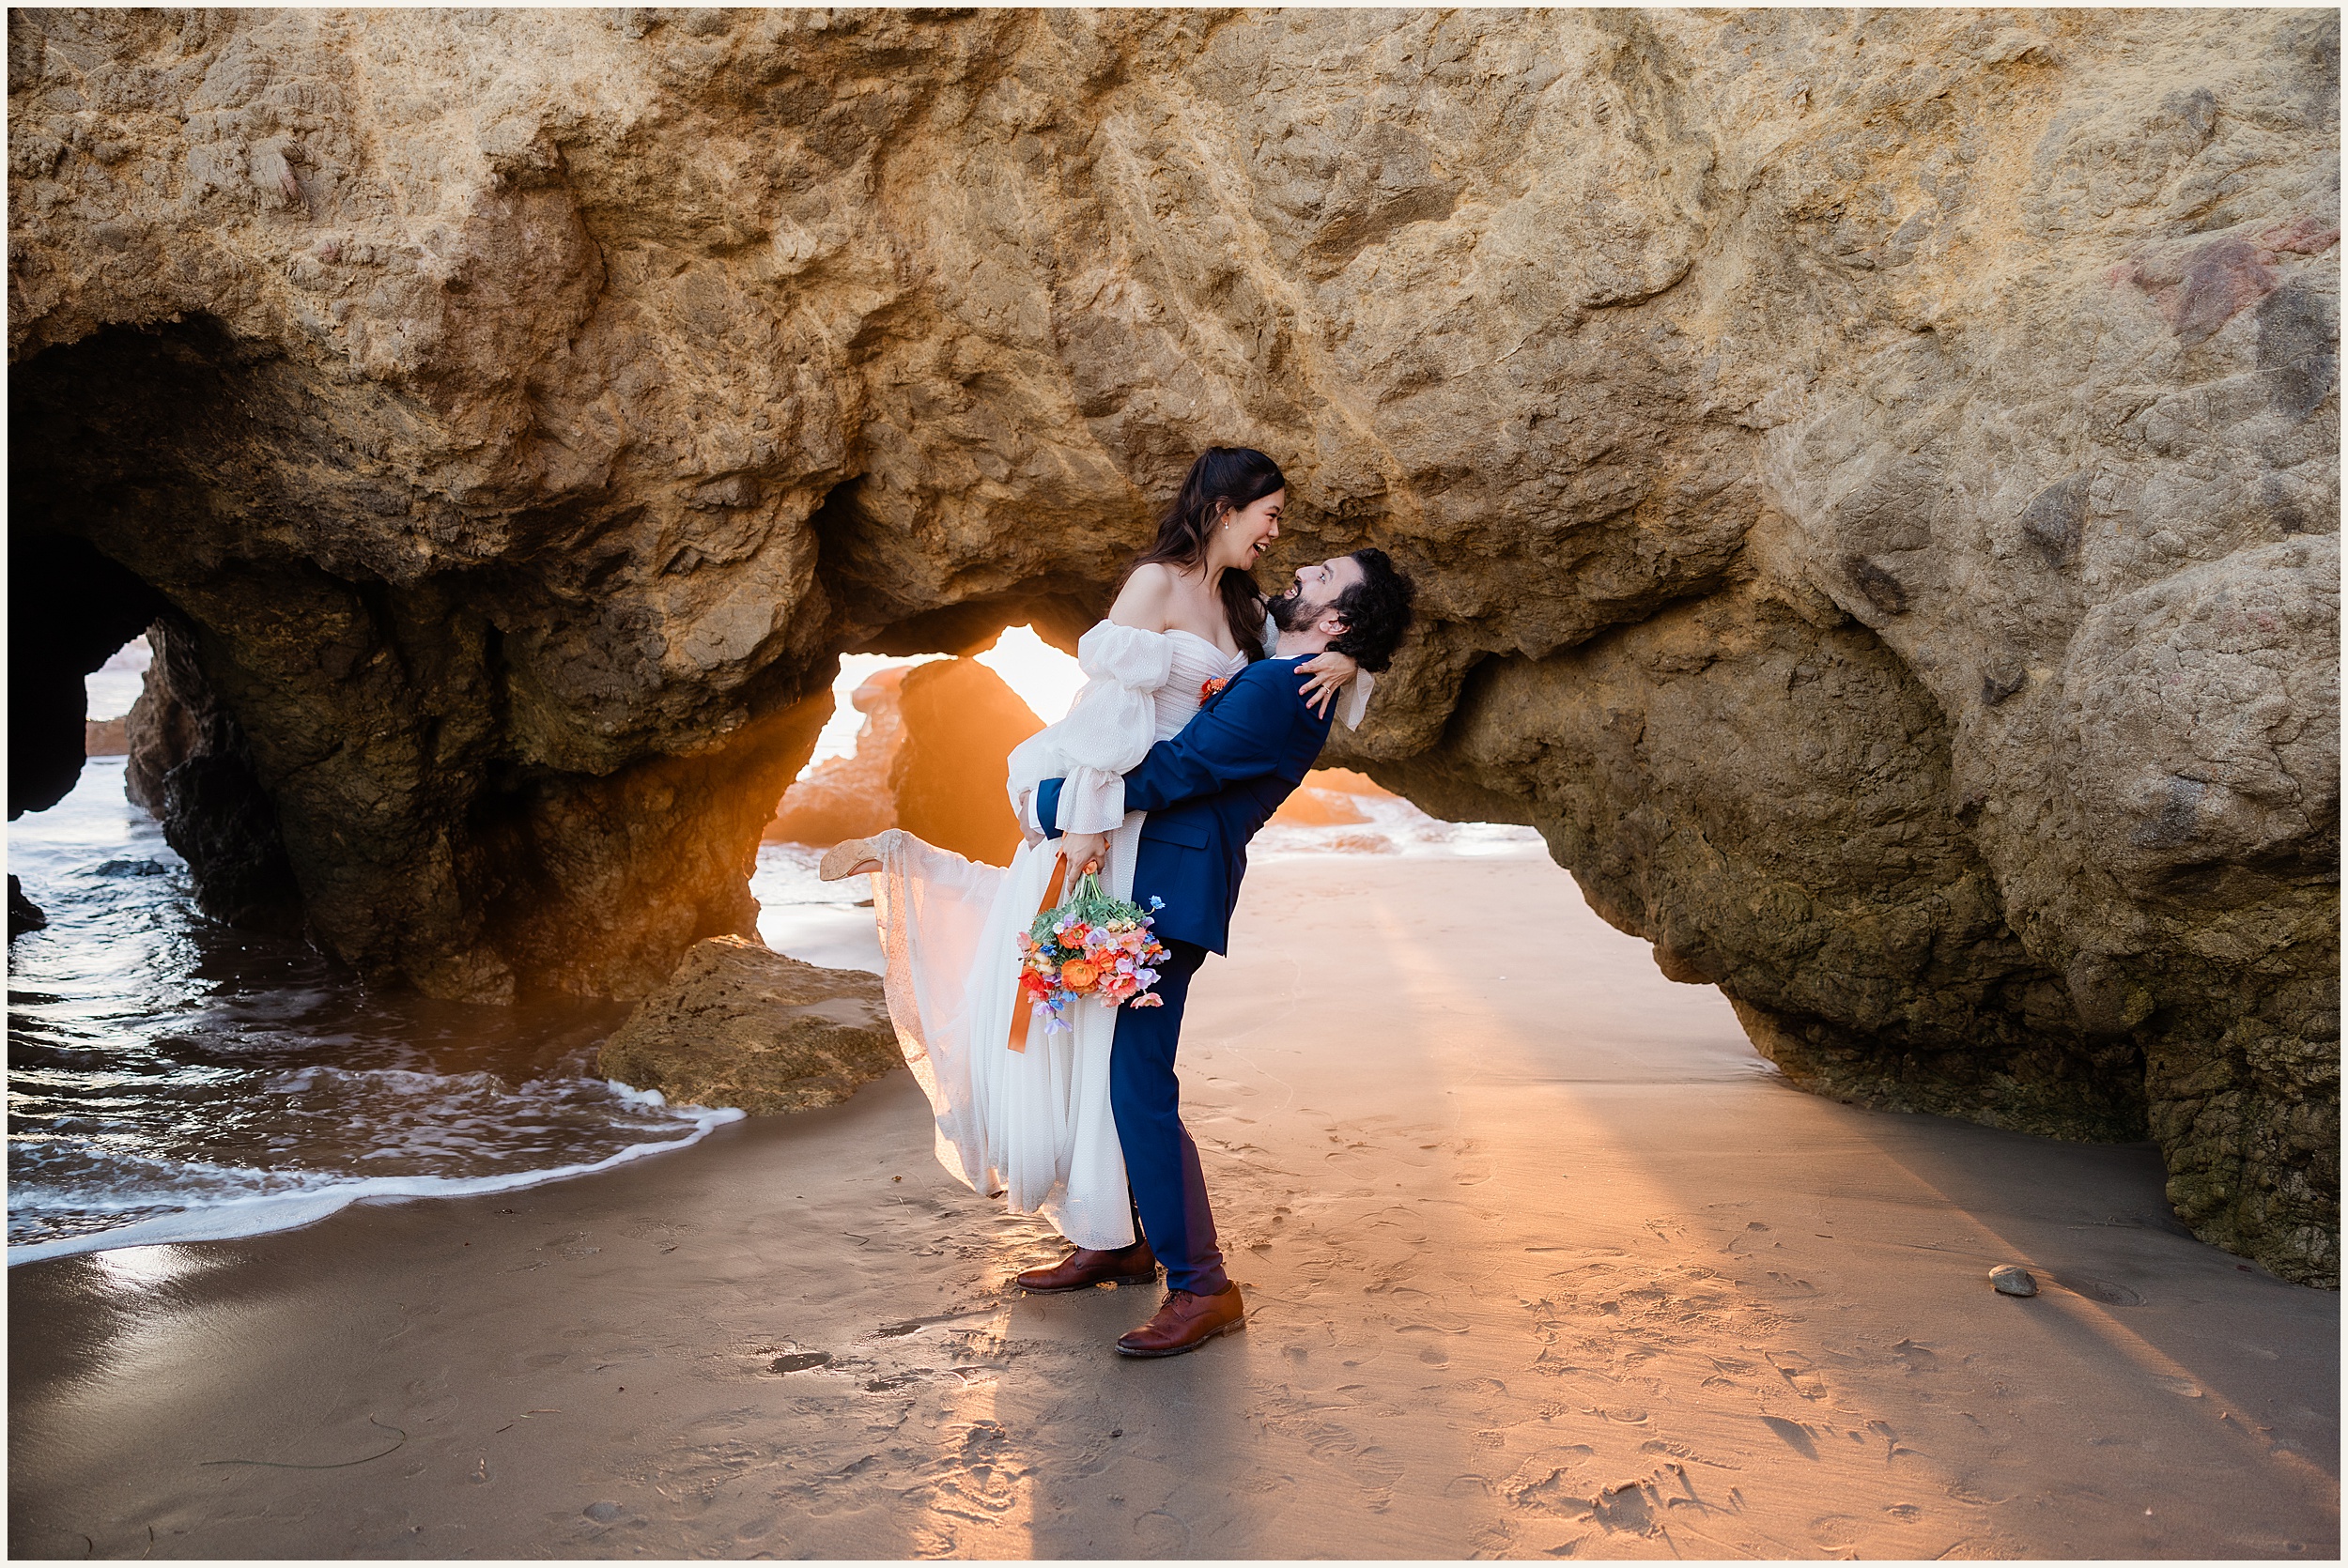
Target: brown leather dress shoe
column 1085, row 1268
column 1185, row 1322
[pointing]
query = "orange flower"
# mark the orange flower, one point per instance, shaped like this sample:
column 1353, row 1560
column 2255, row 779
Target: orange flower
column 1209, row 687
column 1076, row 974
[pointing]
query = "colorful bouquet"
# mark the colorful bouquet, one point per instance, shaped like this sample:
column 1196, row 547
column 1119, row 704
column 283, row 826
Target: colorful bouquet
column 1091, row 945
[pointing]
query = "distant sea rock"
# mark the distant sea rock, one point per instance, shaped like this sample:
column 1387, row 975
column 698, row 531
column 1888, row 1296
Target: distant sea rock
column 24, row 915
column 961, row 721
column 933, row 758
column 1330, row 797
column 848, row 797
column 104, row 737
column 740, row 1026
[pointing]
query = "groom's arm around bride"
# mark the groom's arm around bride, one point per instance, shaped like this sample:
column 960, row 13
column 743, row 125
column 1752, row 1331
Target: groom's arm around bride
column 1207, row 790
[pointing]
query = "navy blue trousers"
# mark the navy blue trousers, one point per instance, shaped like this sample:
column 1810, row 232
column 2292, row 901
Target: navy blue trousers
column 1161, row 1163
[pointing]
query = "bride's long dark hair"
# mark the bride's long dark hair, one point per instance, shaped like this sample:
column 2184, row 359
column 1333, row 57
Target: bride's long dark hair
column 1223, row 479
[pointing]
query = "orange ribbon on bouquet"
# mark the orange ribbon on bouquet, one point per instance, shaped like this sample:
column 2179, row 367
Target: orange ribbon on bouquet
column 1023, row 1010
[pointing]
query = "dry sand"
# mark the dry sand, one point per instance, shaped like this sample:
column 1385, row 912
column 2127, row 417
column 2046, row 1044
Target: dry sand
column 1541, row 1265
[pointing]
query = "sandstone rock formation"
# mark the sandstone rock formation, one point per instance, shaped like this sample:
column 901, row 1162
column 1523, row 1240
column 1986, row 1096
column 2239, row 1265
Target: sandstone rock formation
column 848, row 797
column 931, row 758
column 189, row 763
column 104, row 737
column 1873, row 476
column 1328, row 797
column 742, row 1026
column 950, row 772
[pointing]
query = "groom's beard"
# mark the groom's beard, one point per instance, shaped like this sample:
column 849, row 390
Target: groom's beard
column 1291, row 613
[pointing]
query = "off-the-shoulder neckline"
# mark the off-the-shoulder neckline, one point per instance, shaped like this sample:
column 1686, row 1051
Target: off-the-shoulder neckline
column 1194, row 636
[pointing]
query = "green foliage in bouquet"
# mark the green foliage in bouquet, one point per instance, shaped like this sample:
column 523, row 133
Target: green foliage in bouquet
column 1091, row 946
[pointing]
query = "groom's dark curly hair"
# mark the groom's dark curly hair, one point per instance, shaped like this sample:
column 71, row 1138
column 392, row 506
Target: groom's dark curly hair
column 1376, row 610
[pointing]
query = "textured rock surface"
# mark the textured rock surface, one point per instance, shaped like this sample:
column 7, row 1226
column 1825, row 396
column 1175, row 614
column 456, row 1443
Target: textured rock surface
column 187, row 762
column 1873, row 476
column 742, row 1026
column 848, row 797
column 24, row 915
column 104, row 737
column 949, row 777
column 932, row 757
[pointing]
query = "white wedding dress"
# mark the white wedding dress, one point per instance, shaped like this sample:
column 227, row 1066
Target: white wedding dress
column 1035, row 1124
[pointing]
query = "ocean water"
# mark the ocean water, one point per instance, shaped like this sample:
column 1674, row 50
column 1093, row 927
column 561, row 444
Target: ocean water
column 828, row 923
column 173, row 1080
column 1393, row 826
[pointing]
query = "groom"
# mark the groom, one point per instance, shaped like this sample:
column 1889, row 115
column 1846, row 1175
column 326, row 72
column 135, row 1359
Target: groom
column 1207, row 790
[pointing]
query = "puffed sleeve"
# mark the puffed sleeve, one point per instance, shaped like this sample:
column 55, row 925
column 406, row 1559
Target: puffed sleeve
column 1108, row 730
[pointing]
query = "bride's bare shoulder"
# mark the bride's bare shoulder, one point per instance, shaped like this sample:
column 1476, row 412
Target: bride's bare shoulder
column 1142, row 603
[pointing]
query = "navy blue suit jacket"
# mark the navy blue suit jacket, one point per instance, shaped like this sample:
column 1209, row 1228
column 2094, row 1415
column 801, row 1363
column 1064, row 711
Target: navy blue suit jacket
column 1207, row 790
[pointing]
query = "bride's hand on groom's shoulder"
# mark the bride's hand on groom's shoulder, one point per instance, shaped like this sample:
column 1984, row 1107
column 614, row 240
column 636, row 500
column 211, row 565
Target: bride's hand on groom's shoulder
column 1330, row 673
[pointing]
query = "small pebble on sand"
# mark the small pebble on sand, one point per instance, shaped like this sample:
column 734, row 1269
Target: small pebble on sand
column 2013, row 1279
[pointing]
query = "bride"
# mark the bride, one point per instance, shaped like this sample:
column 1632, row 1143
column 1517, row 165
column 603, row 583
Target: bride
column 1023, row 1112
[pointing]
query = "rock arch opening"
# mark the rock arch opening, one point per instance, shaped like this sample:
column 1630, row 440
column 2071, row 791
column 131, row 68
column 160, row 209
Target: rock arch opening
column 358, row 730
column 70, row 608
column 920, row 743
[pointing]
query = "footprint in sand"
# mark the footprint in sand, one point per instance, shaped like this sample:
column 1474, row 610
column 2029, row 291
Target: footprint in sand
column 2107, row 1292
column 1626, row 1510
column 1916, row 1358
column 1158, row 1533
column 1681, row 1451
column 1836, row 1532
column 1800, row 1373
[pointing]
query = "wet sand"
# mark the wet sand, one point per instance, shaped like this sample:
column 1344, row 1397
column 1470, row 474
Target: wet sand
column 1547, row 1264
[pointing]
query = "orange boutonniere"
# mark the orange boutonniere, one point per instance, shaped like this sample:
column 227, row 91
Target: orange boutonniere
column 1207, row 687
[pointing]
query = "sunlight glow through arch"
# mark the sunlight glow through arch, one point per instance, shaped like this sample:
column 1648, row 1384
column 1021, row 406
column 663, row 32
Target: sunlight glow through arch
column 1045, row 678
